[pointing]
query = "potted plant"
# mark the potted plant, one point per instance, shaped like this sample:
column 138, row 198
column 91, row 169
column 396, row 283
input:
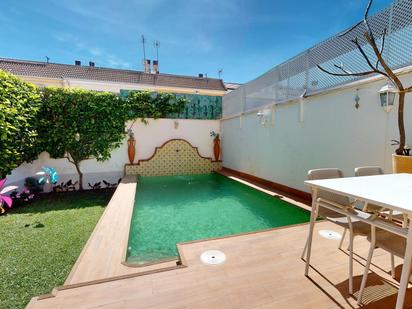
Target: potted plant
column 402, row 163
column 33, row 185
column 131, row 143
column 216, row 144
column 401, row 159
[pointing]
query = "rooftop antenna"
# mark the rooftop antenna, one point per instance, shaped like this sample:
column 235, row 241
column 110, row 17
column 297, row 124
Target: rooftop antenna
column 47, row 59
column 157, row 46
column 144, row 49
column 220, row 72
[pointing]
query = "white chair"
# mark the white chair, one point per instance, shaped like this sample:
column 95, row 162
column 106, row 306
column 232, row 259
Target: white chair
column 372, row 171
column 356, row 228
column 388, row 241
column 369, row 171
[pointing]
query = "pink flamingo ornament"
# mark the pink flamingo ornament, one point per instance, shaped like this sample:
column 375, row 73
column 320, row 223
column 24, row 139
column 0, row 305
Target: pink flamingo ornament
column 4, row 199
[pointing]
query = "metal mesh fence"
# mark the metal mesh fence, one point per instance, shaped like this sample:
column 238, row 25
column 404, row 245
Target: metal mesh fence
column 290, row 79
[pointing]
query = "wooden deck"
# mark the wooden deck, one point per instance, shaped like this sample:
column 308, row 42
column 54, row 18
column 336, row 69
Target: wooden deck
column 262, row 270
column 103, row 255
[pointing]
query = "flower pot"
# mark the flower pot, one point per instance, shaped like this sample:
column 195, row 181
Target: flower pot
column 216, row 148
column 48, row 187
column 402, row 164
column 131, row 151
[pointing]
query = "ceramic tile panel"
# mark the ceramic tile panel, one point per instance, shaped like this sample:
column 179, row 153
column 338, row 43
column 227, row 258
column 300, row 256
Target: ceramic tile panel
column 175, row 157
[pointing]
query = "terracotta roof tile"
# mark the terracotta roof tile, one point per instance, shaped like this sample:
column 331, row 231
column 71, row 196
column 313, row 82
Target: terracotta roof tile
column 55, row 70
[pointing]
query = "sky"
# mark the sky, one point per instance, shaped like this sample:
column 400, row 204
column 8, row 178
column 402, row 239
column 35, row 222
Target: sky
column 244, row 38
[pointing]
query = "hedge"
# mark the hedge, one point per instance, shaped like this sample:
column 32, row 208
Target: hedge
column 19, row 105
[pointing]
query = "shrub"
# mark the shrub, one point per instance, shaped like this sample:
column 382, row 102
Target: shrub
column 19, row 105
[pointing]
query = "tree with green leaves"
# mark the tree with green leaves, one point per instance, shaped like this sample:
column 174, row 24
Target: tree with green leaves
column 81, row 124
column 19, row 105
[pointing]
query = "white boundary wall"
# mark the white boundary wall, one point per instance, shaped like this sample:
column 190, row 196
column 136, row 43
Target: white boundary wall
column 157, row 132
column 333, row 133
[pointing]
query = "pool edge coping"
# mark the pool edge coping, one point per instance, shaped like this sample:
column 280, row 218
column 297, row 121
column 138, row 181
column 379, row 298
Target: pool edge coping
column 111, row 207
column 248, row 182
column 178, row 259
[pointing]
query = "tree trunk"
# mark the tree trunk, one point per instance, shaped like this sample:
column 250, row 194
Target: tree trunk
column 401, row 124
column 77, row 165
column 76, row 162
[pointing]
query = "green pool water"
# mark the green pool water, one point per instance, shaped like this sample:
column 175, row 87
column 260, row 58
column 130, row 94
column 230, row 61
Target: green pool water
column 173, row 209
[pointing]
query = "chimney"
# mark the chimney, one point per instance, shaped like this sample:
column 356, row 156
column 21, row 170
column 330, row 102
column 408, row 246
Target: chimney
column 200, row 75
column 147, row 68
column 77, row 62
column 156, row 66
column 91, row 64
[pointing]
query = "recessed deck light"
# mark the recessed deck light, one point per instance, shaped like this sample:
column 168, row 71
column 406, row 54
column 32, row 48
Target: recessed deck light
column 213, row 257
column 330, row 234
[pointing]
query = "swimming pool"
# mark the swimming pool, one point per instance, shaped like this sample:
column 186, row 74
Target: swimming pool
column 174, row 209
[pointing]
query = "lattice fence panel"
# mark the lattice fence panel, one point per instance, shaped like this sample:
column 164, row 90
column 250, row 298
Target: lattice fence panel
column 290, row 79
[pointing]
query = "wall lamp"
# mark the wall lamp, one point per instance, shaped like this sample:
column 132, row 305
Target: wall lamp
column 263, row 116
column 387, row 97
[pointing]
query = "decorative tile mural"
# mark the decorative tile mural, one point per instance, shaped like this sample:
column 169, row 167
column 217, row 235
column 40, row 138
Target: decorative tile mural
column 175, row 157
column 198, row 106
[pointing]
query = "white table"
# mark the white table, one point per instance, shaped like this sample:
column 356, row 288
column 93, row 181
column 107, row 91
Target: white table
column 392, row 191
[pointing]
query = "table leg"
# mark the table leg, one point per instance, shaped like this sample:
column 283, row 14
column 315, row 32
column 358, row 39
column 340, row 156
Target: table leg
column 368, row 264
column 350, row 255
column 313, row 216
column 403, row 285
column 343, row 237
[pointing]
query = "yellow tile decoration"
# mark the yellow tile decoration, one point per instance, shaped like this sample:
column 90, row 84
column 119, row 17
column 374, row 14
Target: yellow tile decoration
column 175, row 157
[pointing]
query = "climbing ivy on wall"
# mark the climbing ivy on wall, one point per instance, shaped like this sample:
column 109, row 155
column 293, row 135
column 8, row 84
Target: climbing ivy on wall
column 197, row 106
column 144, row 104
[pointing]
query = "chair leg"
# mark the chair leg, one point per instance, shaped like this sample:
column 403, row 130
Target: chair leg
column 302, row 257
column 343, row 237
column 351, row 236
column 406, row 268
column 314, row 214
column 304, row 250
column 368, row 264
column 392, row 265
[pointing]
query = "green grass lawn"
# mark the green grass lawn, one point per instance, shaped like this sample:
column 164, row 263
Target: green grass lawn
column 40, row 242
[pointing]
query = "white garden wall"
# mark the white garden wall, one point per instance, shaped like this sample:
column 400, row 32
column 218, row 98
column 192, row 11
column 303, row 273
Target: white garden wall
column 149, row 136
column 333, row 133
